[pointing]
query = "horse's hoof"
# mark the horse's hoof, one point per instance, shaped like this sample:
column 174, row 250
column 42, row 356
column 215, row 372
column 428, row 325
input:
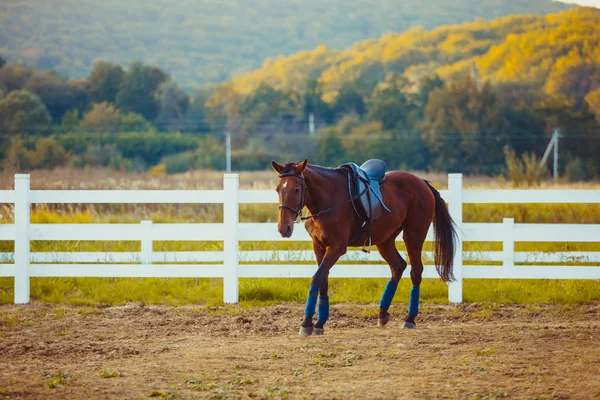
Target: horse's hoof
column 307, row 331
column 409, row 325
column 318, row 331
column 383, row 321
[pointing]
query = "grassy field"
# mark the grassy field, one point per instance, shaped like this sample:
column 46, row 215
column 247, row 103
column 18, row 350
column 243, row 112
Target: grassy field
column 113, row 291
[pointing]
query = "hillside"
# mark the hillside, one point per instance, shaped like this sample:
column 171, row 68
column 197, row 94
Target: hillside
column 199, row 42
column 521, row 49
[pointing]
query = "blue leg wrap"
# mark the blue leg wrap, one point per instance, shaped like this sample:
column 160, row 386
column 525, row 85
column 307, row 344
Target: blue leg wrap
column 323, row 309
column 311, row 302
column 413, row 305
column 388, row 295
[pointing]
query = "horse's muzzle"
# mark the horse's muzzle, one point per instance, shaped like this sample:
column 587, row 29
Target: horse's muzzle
column 286, row 230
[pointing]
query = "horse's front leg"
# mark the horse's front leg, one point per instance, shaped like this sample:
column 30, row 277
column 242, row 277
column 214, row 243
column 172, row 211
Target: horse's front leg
column 323, row 307
column 319, row 283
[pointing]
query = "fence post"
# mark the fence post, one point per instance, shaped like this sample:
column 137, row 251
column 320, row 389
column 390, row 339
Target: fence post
column 508, row 244
column 230, row 242
column 22, row 220
column 455, row 294
column 146, row 249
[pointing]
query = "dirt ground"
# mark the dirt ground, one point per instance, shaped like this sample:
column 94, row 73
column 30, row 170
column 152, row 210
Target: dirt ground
column 136, row 351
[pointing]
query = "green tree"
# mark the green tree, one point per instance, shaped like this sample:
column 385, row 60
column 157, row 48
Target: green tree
column 464, row 128
column 137, row 91
column 330, row 152
column 525, row 129
column 52, row 89
column 197, row 114
column 312, row 103
column 105, row 81
column 210, row 153
column 393, row 104
column 264, row 94
column 349, row 100
column 102, row 117
column 2, row 61
column 173, row 103
column 426, row 85
column 23, row 112
column 70, row 120
column 134, row 122
column 78, row 96
column 269, row 111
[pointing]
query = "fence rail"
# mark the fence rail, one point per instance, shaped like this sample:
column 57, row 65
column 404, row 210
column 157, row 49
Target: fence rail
column 232, row 264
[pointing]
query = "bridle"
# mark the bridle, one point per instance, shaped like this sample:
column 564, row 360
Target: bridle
column 299, row 218
column 298, row 212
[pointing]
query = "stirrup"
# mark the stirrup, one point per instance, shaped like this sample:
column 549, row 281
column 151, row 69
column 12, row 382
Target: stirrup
column 365, row 248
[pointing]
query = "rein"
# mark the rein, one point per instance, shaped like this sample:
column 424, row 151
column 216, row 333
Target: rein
column 298, row 212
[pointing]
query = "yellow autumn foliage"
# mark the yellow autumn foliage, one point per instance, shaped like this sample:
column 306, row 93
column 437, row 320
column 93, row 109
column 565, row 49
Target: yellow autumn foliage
column 539, row 50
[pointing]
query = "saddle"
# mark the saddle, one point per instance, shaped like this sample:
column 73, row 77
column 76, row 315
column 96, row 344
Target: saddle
column 365, row 183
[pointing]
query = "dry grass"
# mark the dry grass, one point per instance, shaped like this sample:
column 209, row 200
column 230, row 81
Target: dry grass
column 102, row 178
column 107, row 179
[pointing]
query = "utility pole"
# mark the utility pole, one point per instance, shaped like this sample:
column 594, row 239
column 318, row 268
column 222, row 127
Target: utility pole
column 228, row 151
column 311, row 124
column 553, row 143
column 555, row 135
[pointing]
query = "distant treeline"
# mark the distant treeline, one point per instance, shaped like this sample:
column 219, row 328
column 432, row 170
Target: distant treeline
column 208, row 41
column 487, row 93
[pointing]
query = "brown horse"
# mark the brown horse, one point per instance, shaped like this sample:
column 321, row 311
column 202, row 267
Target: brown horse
column 334, row 225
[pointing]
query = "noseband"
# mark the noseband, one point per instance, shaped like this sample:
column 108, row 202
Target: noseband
column 298, row 212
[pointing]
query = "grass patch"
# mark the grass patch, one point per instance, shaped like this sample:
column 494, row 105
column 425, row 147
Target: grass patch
column 534, row 291
column 118, row 291
column 159, row 393
column 533, row 213
column 57, row 380
column 110, row 374
column 9, row 320
column 266, row 291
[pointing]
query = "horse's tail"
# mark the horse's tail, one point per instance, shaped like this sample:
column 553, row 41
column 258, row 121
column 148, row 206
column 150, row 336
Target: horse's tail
column 445, row 237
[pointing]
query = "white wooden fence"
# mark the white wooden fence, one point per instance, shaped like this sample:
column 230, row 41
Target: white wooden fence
column 229, row 264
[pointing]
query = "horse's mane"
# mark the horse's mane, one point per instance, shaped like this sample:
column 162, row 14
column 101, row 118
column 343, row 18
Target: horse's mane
column 319, row 168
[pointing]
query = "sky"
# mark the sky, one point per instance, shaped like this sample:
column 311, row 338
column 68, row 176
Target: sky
column 590, row 3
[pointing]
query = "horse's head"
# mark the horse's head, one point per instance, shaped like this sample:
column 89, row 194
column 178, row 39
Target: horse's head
column 292, row 195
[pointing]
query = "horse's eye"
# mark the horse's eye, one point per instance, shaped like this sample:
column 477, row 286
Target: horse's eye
column 297, row 190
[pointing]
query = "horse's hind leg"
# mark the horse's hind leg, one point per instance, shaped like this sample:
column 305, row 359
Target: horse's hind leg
column 414, row 246
column 397, row 264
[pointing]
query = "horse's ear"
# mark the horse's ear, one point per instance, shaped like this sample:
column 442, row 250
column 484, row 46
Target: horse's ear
column 302, row 165
column 277, row 167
